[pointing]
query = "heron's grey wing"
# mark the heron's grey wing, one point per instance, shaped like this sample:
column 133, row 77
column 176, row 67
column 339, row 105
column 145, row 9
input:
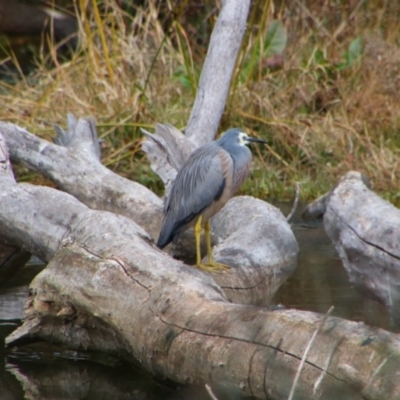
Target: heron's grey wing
column 200, row 181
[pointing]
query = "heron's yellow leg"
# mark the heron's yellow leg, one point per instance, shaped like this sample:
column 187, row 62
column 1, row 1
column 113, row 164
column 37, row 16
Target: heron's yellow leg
column 197, row 233
column 216, row 267
column 211, row 266
column 207, row 233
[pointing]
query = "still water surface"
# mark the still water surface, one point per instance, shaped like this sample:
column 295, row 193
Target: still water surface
column 45, row 372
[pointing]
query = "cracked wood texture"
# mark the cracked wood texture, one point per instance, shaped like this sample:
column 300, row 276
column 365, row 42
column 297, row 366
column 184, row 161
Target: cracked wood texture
column 365, row 230
column 108, row 288
column 261, row 250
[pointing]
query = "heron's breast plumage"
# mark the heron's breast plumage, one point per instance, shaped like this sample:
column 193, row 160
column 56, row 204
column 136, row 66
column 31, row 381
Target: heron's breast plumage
column 241, row 166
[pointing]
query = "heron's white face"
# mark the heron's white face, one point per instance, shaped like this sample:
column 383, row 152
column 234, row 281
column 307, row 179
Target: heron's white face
column 243, row 139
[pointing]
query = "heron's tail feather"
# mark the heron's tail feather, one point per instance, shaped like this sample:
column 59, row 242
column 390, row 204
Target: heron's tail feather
column 171, row 229
column 164, row 239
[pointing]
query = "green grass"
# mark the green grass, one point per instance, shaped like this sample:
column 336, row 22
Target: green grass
column 317, row 80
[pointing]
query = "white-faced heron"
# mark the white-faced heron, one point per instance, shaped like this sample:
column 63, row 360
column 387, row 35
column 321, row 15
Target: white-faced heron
column 207, row 180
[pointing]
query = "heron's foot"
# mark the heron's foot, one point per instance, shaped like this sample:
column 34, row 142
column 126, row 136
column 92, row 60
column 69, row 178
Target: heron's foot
column 212, row 266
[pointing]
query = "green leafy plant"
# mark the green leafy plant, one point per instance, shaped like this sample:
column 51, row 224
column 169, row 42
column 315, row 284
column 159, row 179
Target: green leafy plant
column 267, row 45
column 275, row 39
column 353, row 54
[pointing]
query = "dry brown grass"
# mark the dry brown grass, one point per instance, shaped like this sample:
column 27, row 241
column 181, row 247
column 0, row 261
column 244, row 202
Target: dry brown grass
column 319, row 120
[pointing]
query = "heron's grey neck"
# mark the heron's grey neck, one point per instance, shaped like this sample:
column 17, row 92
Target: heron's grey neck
column 241, row 157
column 238, row 152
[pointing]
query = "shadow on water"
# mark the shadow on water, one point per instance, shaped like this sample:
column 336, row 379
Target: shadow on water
column 43, row 371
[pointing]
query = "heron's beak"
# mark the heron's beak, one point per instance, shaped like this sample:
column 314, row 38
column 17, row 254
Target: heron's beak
column 256, row 140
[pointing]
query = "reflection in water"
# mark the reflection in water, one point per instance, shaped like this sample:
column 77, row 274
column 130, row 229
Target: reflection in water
column 12, row 302
column 45, row 372
column 320, row 281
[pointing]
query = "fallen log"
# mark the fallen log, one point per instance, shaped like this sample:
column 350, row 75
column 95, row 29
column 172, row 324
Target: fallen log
column 261, row 259
column 365, row 231
column 108, row 288
column 11, row 257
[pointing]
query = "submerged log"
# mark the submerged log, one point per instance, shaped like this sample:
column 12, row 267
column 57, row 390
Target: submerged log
column 108, row 288
column 365, row 231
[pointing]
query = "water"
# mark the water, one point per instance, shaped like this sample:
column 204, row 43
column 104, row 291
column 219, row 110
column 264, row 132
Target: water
column 320, row 281
column 47, row 372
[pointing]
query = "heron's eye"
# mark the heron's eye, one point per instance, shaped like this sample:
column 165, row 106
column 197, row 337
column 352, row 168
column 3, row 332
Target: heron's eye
column 242, row 138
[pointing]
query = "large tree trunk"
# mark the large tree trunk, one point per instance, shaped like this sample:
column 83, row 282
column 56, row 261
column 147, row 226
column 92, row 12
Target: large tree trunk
column 108, row 288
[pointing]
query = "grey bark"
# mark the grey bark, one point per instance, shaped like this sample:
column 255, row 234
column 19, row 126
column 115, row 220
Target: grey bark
column 12, row 258
column 217, row 71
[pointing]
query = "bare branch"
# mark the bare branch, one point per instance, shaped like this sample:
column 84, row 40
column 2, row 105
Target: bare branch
column 217, row 71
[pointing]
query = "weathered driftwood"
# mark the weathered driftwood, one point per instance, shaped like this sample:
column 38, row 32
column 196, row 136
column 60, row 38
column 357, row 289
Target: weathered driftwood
column 365, row 230
column 108, row 288
column 317, row 208
column 217, row 71
column 266, row 253
column 74, row 165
